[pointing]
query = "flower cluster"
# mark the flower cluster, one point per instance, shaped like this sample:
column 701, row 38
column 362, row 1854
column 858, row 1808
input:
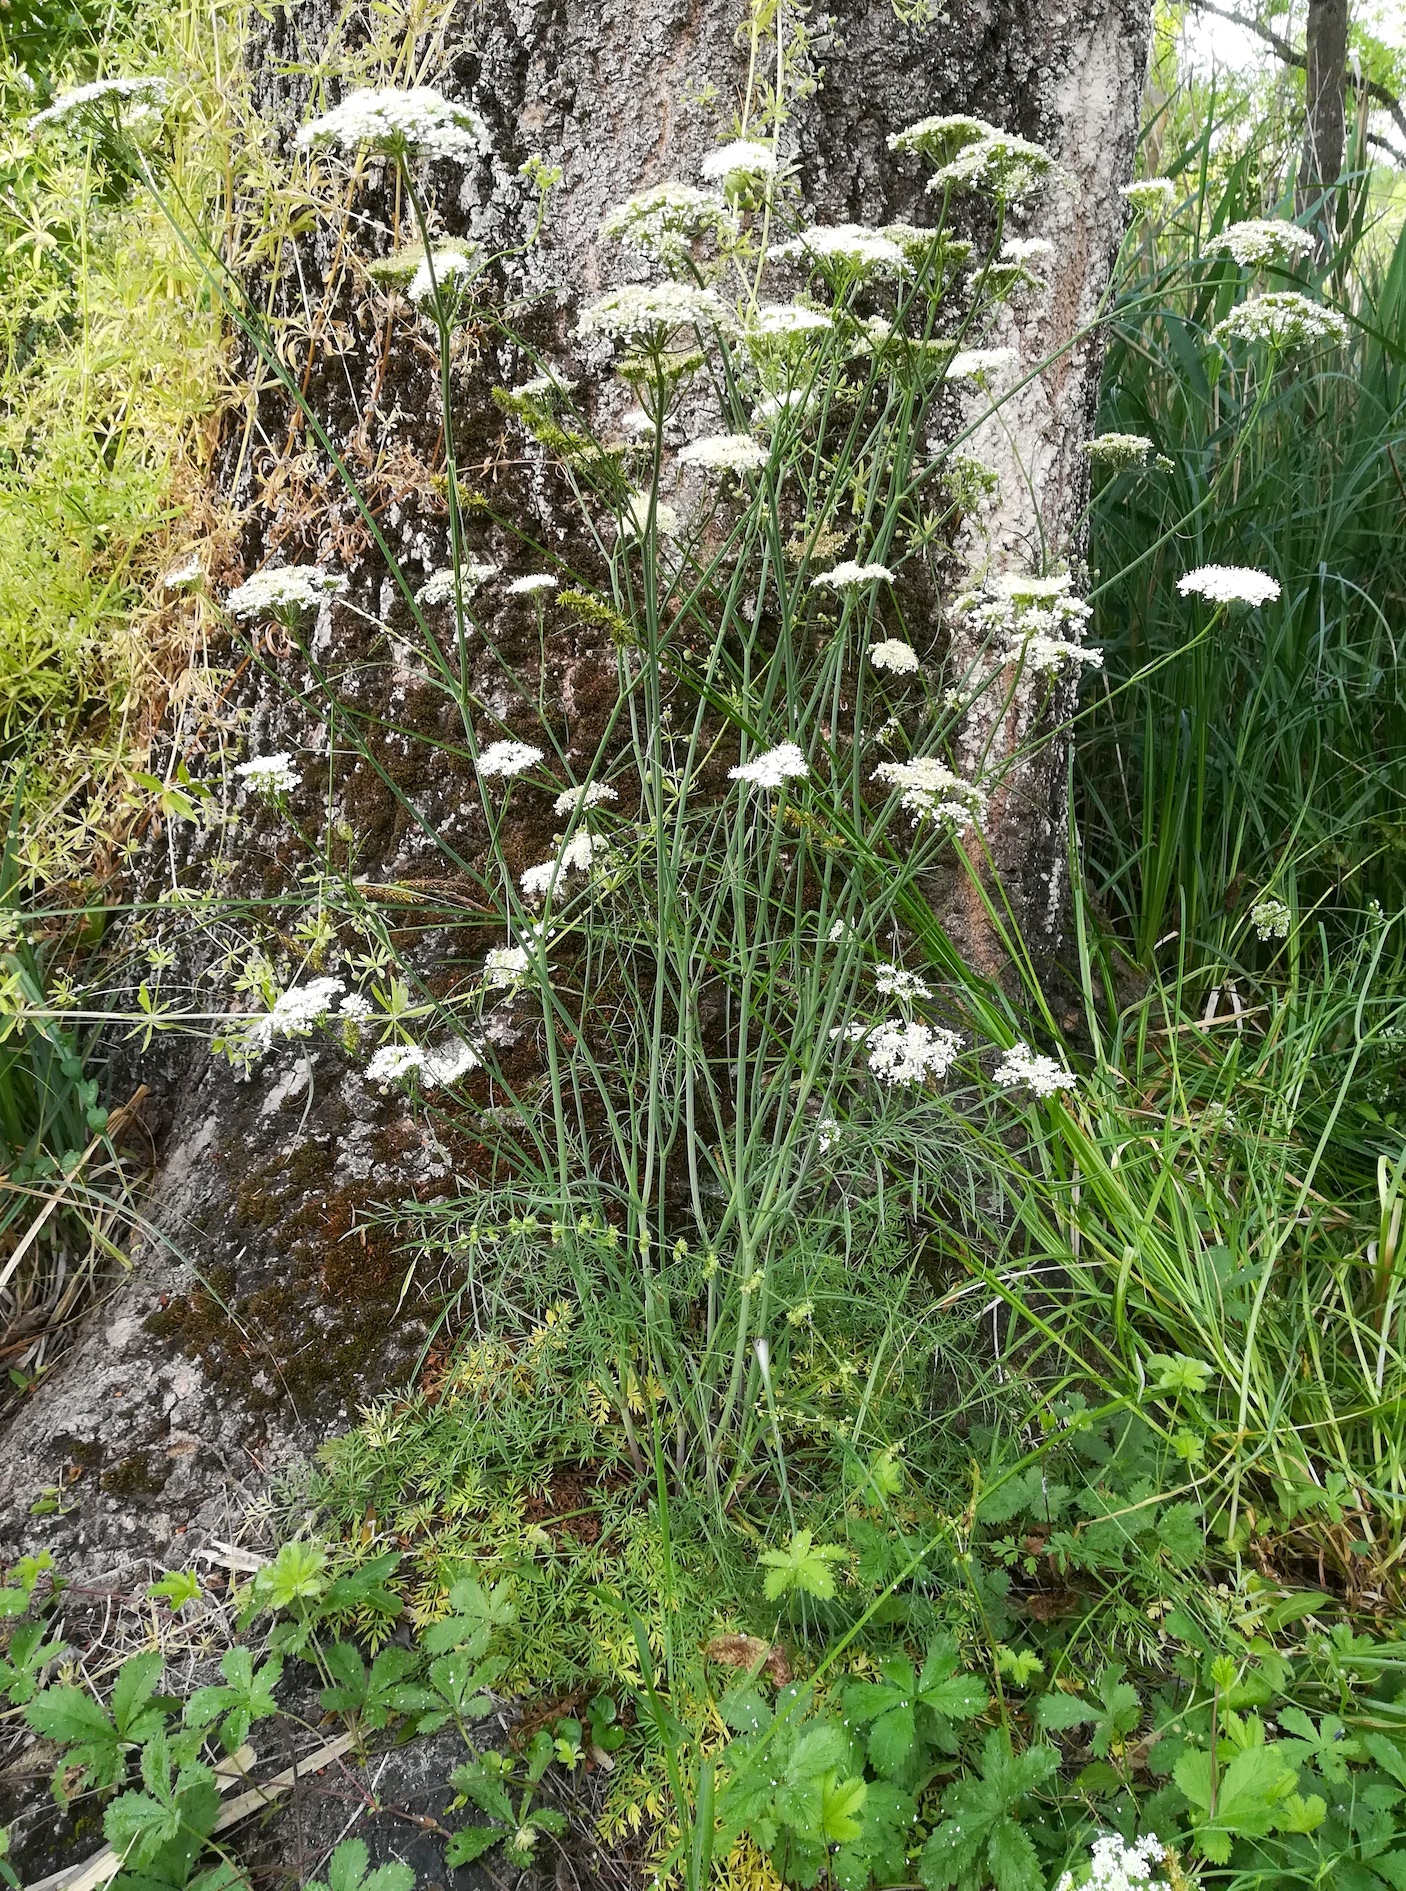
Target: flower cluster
column 529, row 586
column 973, row 155
column 398, row 123
column 439, row 587
column 930, row 791
column 508, row 758
column 663, row 222
column 895, row 655
column 901, row 1052
column 579, row 855
column 850, row 576
column 504, row 967
column 1270, row 918
column 1036, row 619
column 725, row 453
column 667, row 522
column 973, row 364
column 443, row 274
column 146, row 94
column 780, row 321
column 1115, row 451
column 1229, row 584
column 1264, row 240
column 269, row 775
column 296, row 1012
column 771, row 769
column 1283, row 321
column 1152, row 196
column 891, row 981
column 1022, row 1068
column 1047, row 654
column 651, row 313
column 1115, row 1865
column 1026, row 250
column 393, row 1063
column 284, row 594
column 849, row 248
column 579, row 800
column 743, row 161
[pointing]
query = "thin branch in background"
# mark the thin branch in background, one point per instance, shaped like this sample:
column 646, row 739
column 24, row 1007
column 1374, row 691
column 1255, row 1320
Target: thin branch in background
column 1291, row 56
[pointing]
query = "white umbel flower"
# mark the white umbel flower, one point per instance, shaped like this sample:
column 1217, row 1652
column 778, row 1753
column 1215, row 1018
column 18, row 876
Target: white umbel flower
column 1115, row 451
column 1284, row 321
column 1025, row 250
column 419, row 122
column 771, row 769
column 781, row 321
column 508, row 758
column 296, row 1012
column 269, row 775
column 284, row 593
column 891, row 981
column 850, row 576
column 849, row 247
column 182, row 577
column 505, row 966
column 1259, row 240
column 971, row 154
column 1022, row 1068
column 1270, row 918
column 534, row 582
column 1229, row 584
column 579, row 800
column 1047, row 654
column 1115, row 1865
column 117, row 94
column 636, row 522
column 439, row 587
column 725, row 453
column 450, row 1062
column 393, row 1063
column 444, row 273
column 972, row 364
column 895, row 655
column 907, row 1053
column 582, row 852
column 651, row 313
column 744, row 159
column 1152, row 196
column 930, row 791
column 664, row 221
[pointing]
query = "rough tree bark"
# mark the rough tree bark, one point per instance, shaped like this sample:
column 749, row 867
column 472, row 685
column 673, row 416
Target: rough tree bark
column 1325, row 85
column 260, row 1317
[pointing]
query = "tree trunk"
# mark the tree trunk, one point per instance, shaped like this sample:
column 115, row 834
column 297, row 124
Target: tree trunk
column 1324, row 95
column 265, row 1312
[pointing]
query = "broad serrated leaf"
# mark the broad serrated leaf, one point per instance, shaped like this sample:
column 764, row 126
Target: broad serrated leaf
column 1011, row 1857
column 1247, row 1794
column 841, row 1804
column 1057, row 1712
column 803, row 1567
column 891, row 1740
column 471, row 1842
